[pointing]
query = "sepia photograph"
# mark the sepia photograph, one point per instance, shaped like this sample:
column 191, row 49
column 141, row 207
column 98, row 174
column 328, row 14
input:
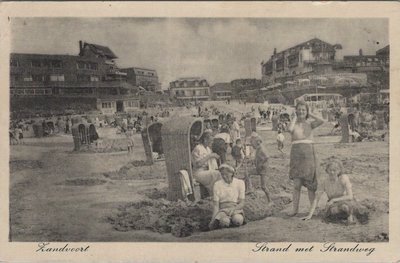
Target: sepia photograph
column 161, row 129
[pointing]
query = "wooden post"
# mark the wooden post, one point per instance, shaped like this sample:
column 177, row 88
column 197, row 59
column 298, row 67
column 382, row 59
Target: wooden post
column 344, row 124
column 380, row 121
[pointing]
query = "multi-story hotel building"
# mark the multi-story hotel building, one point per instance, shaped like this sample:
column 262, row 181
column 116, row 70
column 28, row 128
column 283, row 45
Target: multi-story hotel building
column 92, row 74
column 310, row 56
column 315, row 66
column 190, row 89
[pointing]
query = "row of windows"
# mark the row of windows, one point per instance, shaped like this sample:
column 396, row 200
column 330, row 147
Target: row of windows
column 107, row 105
column 39, row 63
column 30, row 91
column 87, row 65
column 143, row 73
column 185, row 84
column 191, row 93
column 87, row 78
column 53, row 77
column 55, row 64
column 132, row 104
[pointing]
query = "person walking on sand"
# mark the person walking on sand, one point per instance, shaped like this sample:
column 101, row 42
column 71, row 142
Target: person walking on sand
column 280, row 138
column 303, row 159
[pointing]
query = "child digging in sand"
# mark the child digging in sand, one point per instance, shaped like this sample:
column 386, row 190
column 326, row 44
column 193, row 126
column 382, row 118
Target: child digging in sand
column 337, row 186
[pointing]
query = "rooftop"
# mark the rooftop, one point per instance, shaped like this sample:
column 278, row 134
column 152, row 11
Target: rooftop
column 100, row 50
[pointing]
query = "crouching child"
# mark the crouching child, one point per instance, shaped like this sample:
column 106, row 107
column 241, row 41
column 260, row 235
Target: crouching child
column 228, row 199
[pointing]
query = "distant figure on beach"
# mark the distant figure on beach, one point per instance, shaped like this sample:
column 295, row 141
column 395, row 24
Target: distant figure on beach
column 280, row 140
column 130, row 141
column 303, row 159
column 337, row 186
column 228, row 200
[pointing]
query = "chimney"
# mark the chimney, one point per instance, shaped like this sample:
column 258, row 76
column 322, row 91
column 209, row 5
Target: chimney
column 360, row 52
column 80, row 46
column 274, row 51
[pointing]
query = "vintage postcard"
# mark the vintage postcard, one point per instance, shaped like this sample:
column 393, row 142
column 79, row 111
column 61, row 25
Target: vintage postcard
column 199, row 132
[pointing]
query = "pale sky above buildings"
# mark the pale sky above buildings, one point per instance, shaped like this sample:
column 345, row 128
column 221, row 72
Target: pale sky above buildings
column 218, row 49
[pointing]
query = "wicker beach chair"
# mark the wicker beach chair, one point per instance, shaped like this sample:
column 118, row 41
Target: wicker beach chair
column 179, row 137
column 80, row 135
column 152, row 141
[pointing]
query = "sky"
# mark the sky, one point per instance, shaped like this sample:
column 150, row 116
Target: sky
column 217, row 49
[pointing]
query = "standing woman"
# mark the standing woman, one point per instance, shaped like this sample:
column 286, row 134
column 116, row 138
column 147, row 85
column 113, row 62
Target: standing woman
column 303, row 161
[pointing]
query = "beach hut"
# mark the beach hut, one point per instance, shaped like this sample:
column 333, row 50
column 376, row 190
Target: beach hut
column 152, row 141
column 80, row 135
column 179, row 137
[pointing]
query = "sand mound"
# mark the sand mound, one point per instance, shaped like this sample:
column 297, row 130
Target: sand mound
column 257, row 206
column 19, row 165
column 84, row 182
column 155, row 193
column 138, row 170
column 163, row 216
column 182, row 219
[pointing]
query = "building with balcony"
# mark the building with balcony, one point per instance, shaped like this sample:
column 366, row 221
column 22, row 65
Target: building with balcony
column 313, row 55
column 142, row 77
column 92, row 74
column 190, row 89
